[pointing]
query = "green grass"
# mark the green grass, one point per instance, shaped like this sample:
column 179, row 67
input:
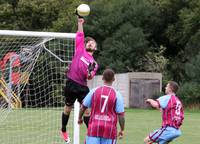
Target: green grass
column 41, row 126
column 140, row 122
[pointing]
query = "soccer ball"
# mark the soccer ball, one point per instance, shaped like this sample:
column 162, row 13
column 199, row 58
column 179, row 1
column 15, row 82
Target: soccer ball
column 83, row 10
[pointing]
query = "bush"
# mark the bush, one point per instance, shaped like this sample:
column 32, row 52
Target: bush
column 189, row 94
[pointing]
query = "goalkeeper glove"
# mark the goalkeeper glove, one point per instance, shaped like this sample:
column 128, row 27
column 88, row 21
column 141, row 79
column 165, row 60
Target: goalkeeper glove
column 76, row 13
column 91, row 67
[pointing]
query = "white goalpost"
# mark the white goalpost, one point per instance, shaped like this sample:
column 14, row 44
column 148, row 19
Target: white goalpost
column 32, row 78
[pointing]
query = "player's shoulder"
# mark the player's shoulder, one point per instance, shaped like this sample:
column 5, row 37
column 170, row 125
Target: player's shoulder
column 117, row 92
column 163, row 100
column 165, row 96
column 119, row 95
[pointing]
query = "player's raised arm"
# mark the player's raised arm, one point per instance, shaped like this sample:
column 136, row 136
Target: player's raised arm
column 80, row 24
column 80, row 36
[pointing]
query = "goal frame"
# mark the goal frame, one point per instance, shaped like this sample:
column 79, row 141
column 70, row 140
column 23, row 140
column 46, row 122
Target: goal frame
column 76, row 128
column 37, row 34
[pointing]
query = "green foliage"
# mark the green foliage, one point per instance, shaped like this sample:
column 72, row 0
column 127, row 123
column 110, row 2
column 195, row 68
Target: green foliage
column 189, row 21
column 132, row 35
column 193, row 69
column 179, row 33
column 189, row 93
column 155, row 61
column 66, row 21
column 169, row 11
column 193, row 46
column 37, row 14
column 29, row 15
column 122, row 32
column 125, row 47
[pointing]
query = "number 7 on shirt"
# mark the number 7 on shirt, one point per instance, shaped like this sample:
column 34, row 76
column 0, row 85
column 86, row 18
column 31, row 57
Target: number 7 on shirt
column 105, row 102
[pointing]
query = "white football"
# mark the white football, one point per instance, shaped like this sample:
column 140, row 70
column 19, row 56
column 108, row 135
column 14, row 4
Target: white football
column 83, row 10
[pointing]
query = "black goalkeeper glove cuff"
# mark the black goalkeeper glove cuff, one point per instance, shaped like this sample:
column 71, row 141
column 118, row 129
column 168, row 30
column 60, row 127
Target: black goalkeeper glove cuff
column 76, row 13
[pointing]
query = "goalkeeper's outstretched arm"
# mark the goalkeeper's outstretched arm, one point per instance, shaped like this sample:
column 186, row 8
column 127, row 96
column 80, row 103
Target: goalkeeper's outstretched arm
column 80, row 24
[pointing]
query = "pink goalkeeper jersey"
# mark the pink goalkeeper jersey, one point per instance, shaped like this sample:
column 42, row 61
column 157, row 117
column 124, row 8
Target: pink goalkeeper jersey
column 78, row 68
column 173, row 114
column 106, row 103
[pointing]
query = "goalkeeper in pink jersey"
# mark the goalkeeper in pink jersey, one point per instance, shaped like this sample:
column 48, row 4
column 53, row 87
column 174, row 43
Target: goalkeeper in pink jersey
column 82, row 68
column 172, row 116
column 107, row 107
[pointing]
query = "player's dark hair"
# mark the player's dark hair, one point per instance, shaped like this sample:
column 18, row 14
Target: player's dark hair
column 174, row 86
column 108, row 75
column 88, row 38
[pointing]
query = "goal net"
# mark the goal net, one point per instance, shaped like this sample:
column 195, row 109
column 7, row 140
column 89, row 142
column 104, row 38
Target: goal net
column 32, row 77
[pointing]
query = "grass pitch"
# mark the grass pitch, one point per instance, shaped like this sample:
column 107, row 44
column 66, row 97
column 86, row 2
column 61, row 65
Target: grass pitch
column 41, row 126
column 140, row 122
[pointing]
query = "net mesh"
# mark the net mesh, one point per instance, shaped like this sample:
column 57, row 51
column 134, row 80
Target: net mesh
column 32, row 76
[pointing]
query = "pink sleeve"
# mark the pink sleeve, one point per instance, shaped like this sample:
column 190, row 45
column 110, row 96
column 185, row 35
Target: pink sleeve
column 79, row 41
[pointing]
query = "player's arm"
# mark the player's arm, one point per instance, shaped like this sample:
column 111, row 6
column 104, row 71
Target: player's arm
column 79, row 43
column 120, row 112
column 122, row 125
column 80, row 24
column 153, row 103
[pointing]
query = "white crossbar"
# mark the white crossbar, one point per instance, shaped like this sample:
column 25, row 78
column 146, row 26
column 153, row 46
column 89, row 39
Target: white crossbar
column 37, row 34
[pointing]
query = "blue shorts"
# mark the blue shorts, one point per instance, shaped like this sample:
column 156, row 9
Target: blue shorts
column 99, row 140
column 164, row 135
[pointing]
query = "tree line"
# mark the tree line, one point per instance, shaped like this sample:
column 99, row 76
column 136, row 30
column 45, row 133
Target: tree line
column 132, row 35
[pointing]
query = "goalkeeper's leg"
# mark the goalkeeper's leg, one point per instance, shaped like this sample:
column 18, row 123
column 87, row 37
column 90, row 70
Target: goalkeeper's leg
column 70, row 98
column 65, row 118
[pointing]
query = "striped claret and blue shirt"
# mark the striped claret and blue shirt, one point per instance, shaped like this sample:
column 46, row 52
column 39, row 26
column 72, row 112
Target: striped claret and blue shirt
column 172, row 111
column 106, row 104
